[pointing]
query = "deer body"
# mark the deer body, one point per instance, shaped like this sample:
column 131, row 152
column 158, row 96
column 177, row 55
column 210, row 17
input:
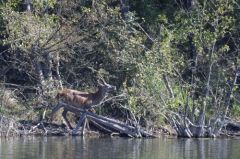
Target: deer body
column 82, row 100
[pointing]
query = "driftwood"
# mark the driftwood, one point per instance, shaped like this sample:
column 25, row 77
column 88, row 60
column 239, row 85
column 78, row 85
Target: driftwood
column 103, row 124
column 216, row 128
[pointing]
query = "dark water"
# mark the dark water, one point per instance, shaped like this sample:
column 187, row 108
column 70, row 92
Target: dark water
column 117, row 148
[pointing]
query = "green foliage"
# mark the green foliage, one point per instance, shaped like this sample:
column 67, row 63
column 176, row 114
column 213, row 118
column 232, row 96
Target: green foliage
column 208, row 24
column 25, row 30
column 235, row 111
column 161, row 55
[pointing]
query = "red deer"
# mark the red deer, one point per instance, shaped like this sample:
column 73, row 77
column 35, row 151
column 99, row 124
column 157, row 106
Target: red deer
column 82, row 100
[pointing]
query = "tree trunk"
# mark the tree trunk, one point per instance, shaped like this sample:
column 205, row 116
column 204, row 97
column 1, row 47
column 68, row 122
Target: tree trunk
column 49, row 65
column 193, row 64
column 227, row 99
column 39, row 71
column 58, row 71
column 228, row 96
column 168, row 86
column 202, row 115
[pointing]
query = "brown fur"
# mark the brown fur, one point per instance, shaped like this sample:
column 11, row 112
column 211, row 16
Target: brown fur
column 83, row 100
column 75, row 98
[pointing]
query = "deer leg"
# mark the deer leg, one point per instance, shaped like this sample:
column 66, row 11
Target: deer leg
column 87, row 124
column 64, row 114
column 54, row 110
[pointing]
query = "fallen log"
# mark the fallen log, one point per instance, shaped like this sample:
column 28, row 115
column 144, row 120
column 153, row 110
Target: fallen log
column 117, row 127
column 101, row 127
column 104, row 124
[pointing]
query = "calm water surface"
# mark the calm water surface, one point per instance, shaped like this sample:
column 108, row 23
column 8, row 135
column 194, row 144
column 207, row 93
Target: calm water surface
column 117, row 148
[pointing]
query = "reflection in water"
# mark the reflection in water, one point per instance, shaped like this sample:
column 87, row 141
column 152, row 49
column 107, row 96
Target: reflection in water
column 117, row 148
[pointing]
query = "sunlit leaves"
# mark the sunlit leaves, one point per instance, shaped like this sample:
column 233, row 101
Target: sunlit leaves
column 25, row 29
column 44, row 4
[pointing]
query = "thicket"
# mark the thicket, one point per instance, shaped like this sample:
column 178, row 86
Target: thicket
column 173, row 61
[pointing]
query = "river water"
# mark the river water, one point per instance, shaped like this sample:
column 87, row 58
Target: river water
column 117, row 148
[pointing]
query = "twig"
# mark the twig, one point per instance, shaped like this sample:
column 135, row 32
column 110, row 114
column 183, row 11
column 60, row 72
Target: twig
column 150, row 38
column 34, row 127
column 106, row 100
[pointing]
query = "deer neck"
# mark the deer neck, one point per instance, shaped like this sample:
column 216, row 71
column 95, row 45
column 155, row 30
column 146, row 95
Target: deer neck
column 99, row 95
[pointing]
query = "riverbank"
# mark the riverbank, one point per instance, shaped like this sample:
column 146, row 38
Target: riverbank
column 11, row 127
